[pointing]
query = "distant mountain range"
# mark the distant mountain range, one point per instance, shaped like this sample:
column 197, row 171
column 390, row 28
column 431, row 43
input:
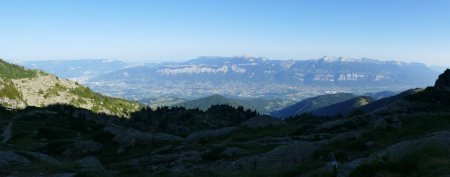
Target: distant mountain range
column 77, row 70
column 327, row 71
column 242, row 76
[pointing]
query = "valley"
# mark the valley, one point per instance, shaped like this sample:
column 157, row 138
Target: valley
column 278, row 82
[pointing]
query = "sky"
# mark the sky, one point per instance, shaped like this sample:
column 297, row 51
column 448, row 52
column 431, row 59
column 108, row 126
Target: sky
column 172, row 30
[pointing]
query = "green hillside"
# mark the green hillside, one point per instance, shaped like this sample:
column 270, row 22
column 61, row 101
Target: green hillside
column 20, row 87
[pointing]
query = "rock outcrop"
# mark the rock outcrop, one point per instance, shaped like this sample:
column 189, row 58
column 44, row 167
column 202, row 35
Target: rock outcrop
column 443, row 82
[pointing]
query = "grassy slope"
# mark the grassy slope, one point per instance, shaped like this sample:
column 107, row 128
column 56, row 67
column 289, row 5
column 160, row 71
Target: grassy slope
column 10, row 72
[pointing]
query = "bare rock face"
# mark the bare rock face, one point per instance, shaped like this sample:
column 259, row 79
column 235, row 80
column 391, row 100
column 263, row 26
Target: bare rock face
column 443, row 82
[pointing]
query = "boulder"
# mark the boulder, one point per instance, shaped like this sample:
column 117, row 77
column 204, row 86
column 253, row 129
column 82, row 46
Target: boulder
column 346, row 136
column 209, row 134
column 262, row 122
column 347, row 169
column 87, row 146
column 3, row 163
column 397, row 151
column 91, row 163
column 403, row 148
column 6, row 157
column 42, row 157
column 281, row 157
column 63, row 175
column 128, row 137
column 176, row 161
column 234, row 151
column 380, row 124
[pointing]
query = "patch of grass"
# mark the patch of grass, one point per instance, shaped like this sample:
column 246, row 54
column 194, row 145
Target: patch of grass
column 54, row 91
column 114, row 105
column 78, row 102
column 10, row 91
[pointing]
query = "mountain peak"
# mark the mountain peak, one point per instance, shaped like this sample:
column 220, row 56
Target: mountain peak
column 345, row 59
column 332, row 58
column 443, row 82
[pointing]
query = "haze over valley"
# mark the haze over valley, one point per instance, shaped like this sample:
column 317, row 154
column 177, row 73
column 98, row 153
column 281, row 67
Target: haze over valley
column 280, row 81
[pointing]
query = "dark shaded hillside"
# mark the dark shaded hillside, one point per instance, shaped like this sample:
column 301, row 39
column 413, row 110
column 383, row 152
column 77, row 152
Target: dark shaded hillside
column 382, row 94
column 386, row 101
column 343, row 108
column 311, row 104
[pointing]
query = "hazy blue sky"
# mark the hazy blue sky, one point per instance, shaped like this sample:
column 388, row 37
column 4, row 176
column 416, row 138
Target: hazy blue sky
column 408, row 30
